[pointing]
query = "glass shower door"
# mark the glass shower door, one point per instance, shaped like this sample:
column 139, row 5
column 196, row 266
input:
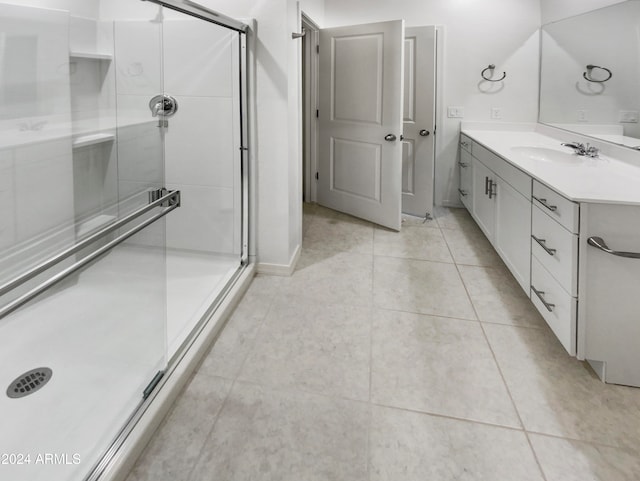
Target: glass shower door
column 82, row 251
column 203, row 156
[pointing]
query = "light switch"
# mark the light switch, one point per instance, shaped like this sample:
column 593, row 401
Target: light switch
column 496, row 113
column 455, row 112
column 583, row 115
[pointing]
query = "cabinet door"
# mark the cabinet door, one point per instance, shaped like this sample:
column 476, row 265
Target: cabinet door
column 513, row 232
column 484, row 209
column 466, row 180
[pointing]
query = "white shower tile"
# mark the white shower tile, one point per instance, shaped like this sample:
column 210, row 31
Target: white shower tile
column 35, row 77
column 7, row 200
column 204, row 221
column 202, row 71
column 82, row 34
column 139, row 57
column 140, row 153
column 199, row 143
column 44, row 192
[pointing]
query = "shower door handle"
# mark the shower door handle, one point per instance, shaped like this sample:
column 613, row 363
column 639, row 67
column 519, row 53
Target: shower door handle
column 163, row 105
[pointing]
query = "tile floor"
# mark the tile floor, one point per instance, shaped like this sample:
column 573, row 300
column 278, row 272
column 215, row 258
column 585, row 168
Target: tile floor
column 386, row 356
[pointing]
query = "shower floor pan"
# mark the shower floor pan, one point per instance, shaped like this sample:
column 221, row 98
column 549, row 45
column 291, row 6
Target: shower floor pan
column 102, row 357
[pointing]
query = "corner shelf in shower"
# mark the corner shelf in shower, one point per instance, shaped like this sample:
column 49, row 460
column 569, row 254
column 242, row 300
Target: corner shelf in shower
column 92, row 139
column 91, row 55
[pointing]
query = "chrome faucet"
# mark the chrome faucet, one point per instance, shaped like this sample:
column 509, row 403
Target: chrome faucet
column 580, row 149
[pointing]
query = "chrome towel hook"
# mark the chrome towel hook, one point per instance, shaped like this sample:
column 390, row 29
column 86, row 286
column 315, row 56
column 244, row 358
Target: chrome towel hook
column 492, row 68
column 587, row 74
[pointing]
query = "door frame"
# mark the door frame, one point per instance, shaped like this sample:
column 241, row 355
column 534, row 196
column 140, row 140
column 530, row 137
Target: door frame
column 309, row 88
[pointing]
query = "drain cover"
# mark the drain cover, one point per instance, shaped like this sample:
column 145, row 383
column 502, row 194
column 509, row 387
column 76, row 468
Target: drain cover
column 29, row 382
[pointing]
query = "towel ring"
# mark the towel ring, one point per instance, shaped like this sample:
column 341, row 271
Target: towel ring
column 492, row 67
column 590, row 68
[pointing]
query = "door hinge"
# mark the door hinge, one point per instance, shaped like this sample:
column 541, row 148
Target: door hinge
column 317, row 48
column 317, row 176
column 152, row 385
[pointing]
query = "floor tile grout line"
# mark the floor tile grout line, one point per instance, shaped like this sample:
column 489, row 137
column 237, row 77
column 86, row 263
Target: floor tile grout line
column 492, row 323
column 388, row 309
column 576, row 440
column 416, row 259
column 448, row 416
column 210, row 432
column 233, row 385
column 504, row 381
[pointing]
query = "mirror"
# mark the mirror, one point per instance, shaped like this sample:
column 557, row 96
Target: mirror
column 590, row 74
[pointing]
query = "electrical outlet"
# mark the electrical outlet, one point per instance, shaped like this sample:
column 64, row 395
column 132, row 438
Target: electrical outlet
column 455, row 112
column 496, row 113
column 629, row 116
column 583, row 115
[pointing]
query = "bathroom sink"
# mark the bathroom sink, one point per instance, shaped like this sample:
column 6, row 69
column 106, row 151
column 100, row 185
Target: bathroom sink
column 548, row 155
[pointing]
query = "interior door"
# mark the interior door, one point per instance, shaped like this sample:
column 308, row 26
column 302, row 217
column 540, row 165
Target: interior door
column 360, row 121
column 418, row 146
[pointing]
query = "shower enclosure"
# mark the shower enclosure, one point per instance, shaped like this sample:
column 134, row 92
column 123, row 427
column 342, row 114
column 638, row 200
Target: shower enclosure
column 123, row 214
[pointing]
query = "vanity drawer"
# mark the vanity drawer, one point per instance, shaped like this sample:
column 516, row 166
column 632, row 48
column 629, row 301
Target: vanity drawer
column 558, row 308
column 560, row 257
column 510, row 174
column 557, row 207
column 466, row 143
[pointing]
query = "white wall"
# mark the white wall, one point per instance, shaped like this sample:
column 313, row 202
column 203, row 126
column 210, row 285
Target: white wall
column 279, row 150
column 477, row 33
column 553, row 10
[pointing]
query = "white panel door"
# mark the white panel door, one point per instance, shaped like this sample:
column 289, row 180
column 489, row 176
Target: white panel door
column 418, row 146
column 361, row 81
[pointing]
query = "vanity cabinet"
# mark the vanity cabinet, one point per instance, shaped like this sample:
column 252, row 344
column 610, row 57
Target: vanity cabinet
column 513, row 231
column 574, row 248
column 484, row 204
column 501, row 206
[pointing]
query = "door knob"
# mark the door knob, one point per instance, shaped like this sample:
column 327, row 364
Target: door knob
column 390, row 137
column 424, row 133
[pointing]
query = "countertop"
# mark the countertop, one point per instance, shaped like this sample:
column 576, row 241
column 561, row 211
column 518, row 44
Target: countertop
column 603, row 180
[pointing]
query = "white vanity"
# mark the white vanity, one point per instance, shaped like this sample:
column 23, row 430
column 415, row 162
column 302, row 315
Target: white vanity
column 539, row 203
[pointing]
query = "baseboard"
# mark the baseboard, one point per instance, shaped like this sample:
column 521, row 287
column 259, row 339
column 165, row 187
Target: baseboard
column 284, row 270
column 122, row 463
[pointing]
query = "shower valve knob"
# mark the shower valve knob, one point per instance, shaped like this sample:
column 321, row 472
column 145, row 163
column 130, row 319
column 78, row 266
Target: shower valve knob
column 163, row 105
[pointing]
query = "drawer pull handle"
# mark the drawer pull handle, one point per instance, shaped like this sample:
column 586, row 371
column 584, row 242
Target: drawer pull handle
column 464, row 144
column 464, row 165
column 540, row 295
column 599, row 243
column 463, row 193
column 486, row 185
column 552, row 208
column 543, row 244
